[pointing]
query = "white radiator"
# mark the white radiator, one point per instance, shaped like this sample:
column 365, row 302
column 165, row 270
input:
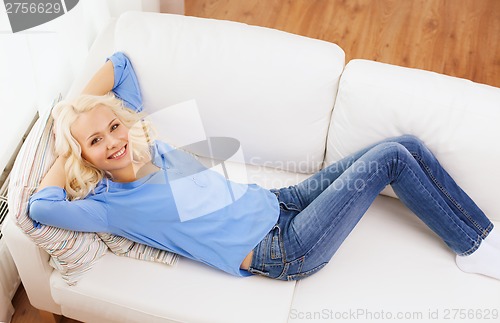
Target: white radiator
column 9, row 278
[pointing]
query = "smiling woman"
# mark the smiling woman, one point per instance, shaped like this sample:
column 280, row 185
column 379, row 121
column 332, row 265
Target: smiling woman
column 92, row 131
column 97, row 137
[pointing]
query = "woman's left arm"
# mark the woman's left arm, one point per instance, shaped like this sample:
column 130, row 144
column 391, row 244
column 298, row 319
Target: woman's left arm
column 51, row 207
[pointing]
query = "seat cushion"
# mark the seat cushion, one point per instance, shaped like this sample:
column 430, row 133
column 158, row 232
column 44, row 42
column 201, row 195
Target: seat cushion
column 127, row 290
column 392, row 263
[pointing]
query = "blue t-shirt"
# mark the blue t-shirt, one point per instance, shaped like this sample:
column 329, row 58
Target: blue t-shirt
column 184, row 207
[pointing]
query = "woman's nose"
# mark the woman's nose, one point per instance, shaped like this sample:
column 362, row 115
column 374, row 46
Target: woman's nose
column 112, row 142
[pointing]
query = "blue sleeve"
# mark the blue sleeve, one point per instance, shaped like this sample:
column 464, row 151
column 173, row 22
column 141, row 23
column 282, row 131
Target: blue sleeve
column 50, row 207
column 126, row 86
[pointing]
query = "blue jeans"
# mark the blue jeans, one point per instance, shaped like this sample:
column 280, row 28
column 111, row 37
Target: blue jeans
column 319, row 213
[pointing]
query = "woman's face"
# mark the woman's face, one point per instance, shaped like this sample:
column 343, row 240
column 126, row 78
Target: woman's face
column 104, row 140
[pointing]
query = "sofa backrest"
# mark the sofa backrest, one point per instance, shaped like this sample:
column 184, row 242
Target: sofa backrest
column 456, row 118
column 272, row 91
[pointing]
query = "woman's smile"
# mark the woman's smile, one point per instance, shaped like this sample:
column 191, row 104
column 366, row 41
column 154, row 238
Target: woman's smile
column 104, row 141
column 120, row 153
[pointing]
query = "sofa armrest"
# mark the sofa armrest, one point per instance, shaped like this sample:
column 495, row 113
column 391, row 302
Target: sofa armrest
column 33, row 266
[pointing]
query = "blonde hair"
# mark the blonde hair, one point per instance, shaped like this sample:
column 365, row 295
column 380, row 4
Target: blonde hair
column 81, row 176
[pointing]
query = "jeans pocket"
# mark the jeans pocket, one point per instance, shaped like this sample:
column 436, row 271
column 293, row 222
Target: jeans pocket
column 276, row 244
column 268, row 258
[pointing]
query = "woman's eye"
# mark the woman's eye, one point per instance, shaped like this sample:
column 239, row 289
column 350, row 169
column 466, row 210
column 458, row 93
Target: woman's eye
column 113, row 127
column 95, row 141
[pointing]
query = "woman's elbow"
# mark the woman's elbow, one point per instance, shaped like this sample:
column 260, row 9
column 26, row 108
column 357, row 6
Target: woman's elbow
column 38, row 211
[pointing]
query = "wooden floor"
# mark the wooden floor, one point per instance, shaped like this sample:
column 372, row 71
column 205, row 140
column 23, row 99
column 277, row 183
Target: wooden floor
column 454, row 37
column 25, row 313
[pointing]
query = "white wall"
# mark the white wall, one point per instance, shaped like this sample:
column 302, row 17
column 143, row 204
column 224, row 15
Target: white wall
column 17, row 88
column 38, row 64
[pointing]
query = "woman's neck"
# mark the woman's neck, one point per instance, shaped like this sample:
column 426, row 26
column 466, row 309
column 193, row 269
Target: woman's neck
column 134, row 172
column 124, row 175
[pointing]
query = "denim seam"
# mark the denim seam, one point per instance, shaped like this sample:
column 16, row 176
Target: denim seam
column 338, row 219
column 452, row 220
column 258, row 272
column 289, row 207
column 450, row 198
column 303, row 259
column 260, row 259
column 300, row 197
column 306, row 273
column 476, row 245
column 280, row 244
column 343, row 211
column 284, row 271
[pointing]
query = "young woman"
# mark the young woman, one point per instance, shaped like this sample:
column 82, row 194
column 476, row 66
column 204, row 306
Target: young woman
column 112, row 176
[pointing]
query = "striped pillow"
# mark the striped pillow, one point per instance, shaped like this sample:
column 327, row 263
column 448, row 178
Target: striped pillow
column 125, row 247
column 72, row 253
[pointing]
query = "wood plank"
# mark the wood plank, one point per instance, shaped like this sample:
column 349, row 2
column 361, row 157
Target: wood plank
column 25, row 313
column 47, row 317
column 454, row 37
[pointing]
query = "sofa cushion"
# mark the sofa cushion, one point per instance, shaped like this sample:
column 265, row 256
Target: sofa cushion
column 392, row 264
column 114, row 291
column 244, row 80
column 120, row 290
column 456, row 118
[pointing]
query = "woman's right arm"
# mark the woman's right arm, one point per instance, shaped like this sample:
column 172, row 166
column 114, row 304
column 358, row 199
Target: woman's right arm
column 49, row 205
column 102, row 82
column 118, row 76
column 56, row 175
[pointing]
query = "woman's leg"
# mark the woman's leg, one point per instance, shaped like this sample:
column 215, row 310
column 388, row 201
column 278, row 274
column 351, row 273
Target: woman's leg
column 311, row 237
column 463, row 206
column 485, row 257
column 449, row 190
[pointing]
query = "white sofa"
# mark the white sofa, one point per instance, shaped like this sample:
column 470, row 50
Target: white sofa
column 293, row 106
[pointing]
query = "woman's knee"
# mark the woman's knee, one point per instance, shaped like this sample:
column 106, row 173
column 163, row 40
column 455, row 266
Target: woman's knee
column 388, row 154
column 412, row 143
column 391, row 148
column 409, row 140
